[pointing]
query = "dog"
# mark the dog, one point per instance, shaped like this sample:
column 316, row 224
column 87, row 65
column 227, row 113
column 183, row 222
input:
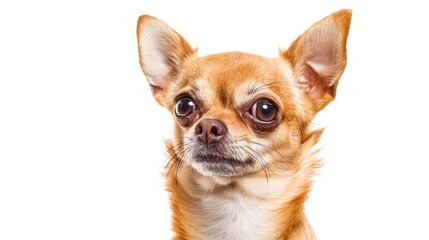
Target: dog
column 242, row 157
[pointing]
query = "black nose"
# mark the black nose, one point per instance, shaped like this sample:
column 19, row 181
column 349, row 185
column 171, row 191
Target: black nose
column 210, row 131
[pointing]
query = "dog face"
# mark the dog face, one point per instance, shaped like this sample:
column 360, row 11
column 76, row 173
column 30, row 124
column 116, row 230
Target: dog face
column 233, row 111
column 238, row 114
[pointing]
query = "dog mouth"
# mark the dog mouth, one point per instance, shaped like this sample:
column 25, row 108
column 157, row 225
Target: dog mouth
column 219, row 165
column 217, row 159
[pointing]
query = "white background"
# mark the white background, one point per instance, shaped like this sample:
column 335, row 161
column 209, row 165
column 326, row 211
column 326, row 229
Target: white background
column 81, row 139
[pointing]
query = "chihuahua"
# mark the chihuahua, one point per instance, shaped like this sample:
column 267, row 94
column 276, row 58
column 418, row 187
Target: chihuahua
column 242, row 157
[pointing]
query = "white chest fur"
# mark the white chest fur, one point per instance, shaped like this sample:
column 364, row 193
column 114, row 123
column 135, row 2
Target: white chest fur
column 235, row 218
column 234, row 215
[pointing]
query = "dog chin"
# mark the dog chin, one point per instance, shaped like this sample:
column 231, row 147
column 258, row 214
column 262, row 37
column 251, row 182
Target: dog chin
column 219, row 166
column 216, row 169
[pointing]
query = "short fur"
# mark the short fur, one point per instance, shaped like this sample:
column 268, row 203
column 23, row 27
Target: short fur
column 243, row 178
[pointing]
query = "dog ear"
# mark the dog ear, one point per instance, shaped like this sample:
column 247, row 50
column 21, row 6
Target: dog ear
column 162, row 52
column 318, row 57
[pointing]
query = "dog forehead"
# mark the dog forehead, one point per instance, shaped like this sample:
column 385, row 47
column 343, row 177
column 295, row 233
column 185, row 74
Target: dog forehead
column 233, row 67
column 221, row 76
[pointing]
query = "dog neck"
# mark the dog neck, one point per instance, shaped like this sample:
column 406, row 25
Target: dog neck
column 260, row 206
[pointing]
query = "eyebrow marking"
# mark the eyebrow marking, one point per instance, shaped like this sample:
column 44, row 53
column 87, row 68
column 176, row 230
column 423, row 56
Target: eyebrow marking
column 194, row 86
column 255, row 87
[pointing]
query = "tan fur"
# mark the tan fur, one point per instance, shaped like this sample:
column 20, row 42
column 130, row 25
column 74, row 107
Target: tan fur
column 264, row 199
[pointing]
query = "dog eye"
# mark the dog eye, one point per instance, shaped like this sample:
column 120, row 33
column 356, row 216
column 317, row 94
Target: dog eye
column 264, row 110
column 184, row 107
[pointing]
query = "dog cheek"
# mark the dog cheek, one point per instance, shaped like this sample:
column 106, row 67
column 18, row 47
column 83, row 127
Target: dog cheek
column 287, row 140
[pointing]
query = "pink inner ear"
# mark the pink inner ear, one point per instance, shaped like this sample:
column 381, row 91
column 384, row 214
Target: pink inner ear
column 312, row 82
column 318, row 57
column 159, row 82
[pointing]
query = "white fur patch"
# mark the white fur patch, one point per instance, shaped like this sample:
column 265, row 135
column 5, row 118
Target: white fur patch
column 232, row 215
column 234, row 218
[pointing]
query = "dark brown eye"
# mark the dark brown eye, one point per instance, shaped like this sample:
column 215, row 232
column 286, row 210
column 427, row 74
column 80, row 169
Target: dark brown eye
column 264, row 110
column 184, row 107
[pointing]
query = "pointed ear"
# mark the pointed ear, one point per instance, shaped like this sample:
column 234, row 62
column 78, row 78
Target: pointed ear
column 162, row 52
column 318, row 57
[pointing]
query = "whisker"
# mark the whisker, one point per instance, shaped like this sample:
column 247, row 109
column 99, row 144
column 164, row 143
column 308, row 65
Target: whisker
column 267, row 148
column 254, row 88
column 175, row 157
column 253, row 154
column 174, row 149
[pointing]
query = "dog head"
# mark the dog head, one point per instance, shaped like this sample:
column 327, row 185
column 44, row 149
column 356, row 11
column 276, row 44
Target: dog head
column 238, row 114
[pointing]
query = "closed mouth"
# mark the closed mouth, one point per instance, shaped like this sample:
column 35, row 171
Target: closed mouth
column 216, row 162
column 216, row 159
